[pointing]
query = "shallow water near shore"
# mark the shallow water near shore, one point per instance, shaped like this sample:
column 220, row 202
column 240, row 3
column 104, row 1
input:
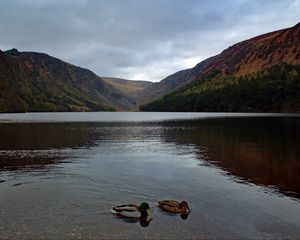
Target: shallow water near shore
column 61, row 173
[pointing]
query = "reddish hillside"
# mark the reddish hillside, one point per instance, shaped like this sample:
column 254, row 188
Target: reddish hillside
column 242, row 58
column 259, row 52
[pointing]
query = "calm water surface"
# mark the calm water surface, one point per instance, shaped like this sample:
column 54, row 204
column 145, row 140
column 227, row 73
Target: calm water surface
column 60, row 174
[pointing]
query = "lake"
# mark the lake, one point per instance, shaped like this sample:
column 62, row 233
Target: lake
column 61, row 173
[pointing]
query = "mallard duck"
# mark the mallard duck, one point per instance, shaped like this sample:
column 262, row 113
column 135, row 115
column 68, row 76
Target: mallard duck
column 174, row 206
column 132, row 211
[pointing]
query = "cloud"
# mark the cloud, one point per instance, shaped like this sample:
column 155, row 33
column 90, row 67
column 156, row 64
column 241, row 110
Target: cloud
column 138, row 39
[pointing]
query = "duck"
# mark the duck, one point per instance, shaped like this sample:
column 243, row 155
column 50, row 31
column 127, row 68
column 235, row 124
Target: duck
column 132, row 211
column 174, row 206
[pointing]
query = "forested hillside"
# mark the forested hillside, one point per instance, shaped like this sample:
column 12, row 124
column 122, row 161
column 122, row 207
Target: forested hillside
column 274, row 89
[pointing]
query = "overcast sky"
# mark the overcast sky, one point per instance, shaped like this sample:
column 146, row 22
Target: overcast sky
column 138, row 39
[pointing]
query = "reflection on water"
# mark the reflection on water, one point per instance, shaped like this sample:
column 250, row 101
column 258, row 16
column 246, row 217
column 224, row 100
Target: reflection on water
column 41, row 136
column 29, row 160
column 40, row 146
column 143, row 221
column 60, row 180
column 264, row 151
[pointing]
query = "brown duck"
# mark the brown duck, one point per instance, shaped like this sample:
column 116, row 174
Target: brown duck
column 174, row 206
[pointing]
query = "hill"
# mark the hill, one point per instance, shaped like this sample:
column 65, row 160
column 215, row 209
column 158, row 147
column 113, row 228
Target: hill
column 32, row 81
column 130, row 88
column 243, row 58
column 127, row 86
column 230, row 73
column 274, row 89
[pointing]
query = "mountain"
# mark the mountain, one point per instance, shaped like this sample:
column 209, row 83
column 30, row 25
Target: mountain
column 170, row 83
column 241, row 78
column 130, row 88
column 127, row 86
column 273, row 89
column 240, row 59
column 32, row 81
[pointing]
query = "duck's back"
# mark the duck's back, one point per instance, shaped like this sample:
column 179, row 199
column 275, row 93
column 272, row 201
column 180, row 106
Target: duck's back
column 169, row 205
column 127, row 208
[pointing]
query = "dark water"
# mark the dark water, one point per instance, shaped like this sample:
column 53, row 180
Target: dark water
column 60, row 176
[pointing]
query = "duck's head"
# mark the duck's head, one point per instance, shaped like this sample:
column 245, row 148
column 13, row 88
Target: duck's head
column 144, row 208
column 184, row 207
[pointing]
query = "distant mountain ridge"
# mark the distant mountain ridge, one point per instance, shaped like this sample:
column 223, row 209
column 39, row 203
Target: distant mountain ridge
column 32, row 81
column 243, row 58
column 170, row 83
column 127, row 86
column 130, row 88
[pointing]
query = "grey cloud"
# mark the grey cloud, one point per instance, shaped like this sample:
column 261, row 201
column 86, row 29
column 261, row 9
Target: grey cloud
column 135, row 38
